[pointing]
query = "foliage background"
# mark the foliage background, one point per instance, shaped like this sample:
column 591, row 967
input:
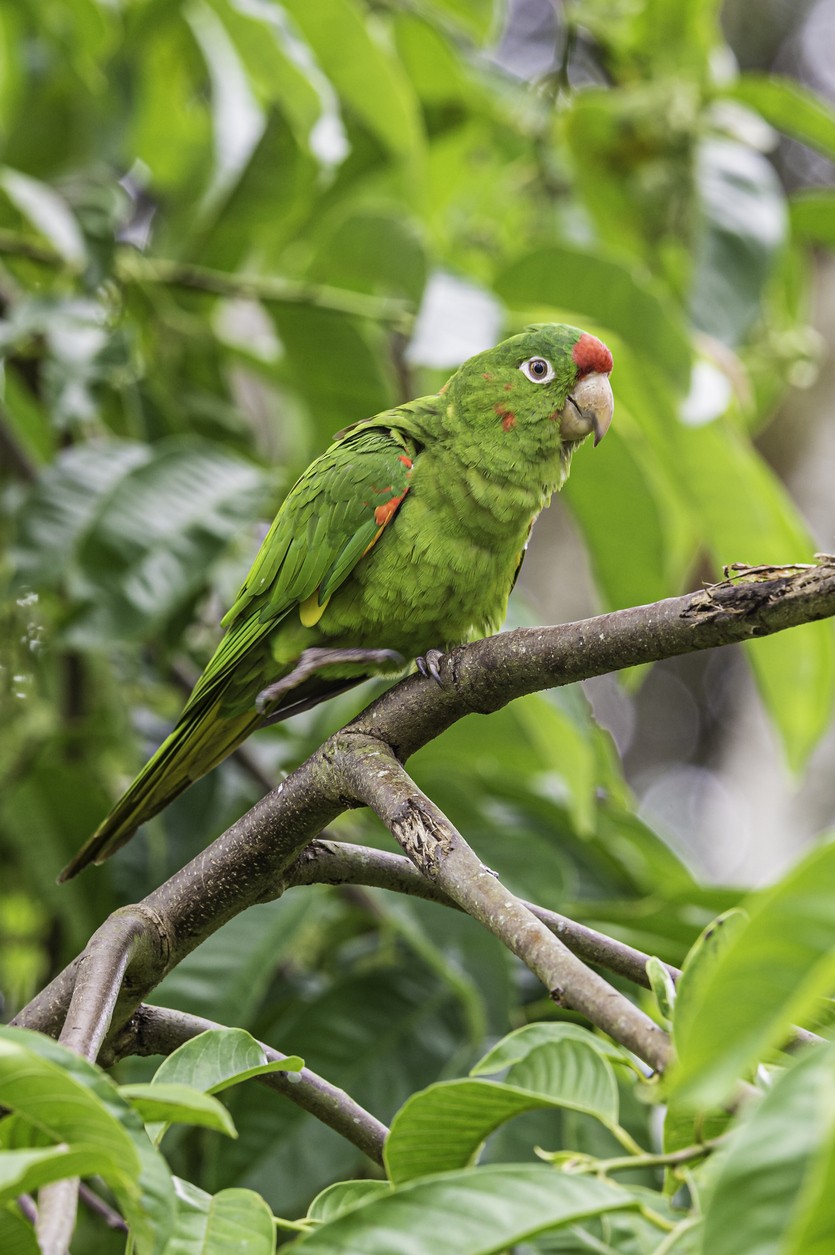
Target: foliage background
column 229, row 227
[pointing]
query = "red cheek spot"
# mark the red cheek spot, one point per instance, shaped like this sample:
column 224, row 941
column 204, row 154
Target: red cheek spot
column 591, row 356
column 407, row 462
column 508, row 387
column 507, row 416
column 487, row 376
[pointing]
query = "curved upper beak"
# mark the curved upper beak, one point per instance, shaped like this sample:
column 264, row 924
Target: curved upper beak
column 589, row 408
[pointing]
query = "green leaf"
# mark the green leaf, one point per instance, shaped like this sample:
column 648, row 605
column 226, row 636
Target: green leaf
column 769, row 976
column 22, row 1171
column 443, row 1127
column 812, row 217
column 474, row 1212
column 63, row 502
column 584, row 286
column 231, row 1220
column 337, row 1200
column 698, row 967
column 375, row 252
column 742, row 227
column 48, row 213
column 515, row 1047
column 178, row 1104
column 147, row 548
column 367, row 77
column 747, row 516
column 217, row 1059
column 790, row 107
column 59, row 1093
column 17, row 1236
column 773, row 1190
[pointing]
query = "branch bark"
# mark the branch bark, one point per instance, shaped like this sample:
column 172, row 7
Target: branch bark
column 249, row 862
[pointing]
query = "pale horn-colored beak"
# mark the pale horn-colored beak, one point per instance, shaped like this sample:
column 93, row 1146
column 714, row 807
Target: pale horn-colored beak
column 589, row 408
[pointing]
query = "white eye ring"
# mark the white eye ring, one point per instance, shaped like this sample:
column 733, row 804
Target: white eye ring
column 532, row 369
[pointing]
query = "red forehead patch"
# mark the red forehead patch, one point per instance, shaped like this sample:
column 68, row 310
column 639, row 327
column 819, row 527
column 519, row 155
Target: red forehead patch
column 591, row 355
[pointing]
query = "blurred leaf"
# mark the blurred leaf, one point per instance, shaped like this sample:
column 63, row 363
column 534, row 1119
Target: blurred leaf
column 790, row 107
column 473, row 1212
column 582, row 284
column 373, row 252
column 743, row 224
column 48, row 213
column 17, row 1236
column 812, row 216
column 64, row 501
column 476, row 17
column 769, row 976
column 622, row 522
column 147, row 549
column 22, row 1171
column 231, row 1220
column 776, row 1169
column 366, row 76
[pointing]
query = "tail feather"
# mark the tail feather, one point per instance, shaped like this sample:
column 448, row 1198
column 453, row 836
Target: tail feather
column 197, row 744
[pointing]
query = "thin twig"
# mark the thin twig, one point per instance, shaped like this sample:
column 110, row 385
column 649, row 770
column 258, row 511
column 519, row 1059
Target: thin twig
column 342, row 863
column 159, row 1031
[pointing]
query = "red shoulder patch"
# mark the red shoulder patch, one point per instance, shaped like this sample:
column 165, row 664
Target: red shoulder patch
column 591, row 356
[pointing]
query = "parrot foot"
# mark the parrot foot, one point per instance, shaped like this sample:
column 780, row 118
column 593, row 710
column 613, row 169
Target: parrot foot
column 428, row 664
column 313, row 660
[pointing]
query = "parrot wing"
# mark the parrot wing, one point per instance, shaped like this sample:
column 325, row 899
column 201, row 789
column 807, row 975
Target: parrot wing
column 332, row 516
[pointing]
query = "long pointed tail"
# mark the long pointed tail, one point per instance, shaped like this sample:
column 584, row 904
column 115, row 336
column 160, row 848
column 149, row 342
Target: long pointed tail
column 201, row 740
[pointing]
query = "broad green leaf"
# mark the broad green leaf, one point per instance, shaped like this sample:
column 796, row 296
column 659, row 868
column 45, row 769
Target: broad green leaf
column 443, row 1127
column 22, row 1171
column 583, row 286
column 178, row 1104
column 697, row 970
column 747, row 516
column 476, row 17
column 64, row 1096
column 812, row 216
column 515, row 1047
column 216, row 1059
column 345, row 1196
column 48, row 213
column 742, row 225
column 768, row 977
column 790, row 107
column 368, row 79
column 147, row 548
column 474, row 1212
column 773, row 1191
column 17, row 1236
column 231, row 1220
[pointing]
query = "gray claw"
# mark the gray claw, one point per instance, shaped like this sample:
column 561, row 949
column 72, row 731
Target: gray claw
column 428, row 665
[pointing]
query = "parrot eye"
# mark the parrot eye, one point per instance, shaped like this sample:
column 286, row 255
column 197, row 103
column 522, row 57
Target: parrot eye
column 538, row 370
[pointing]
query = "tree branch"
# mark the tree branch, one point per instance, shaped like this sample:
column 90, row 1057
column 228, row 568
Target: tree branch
column 342, row 863
column 131, row 267
column 374, row 776
column 248, row 862
column 159, row 1031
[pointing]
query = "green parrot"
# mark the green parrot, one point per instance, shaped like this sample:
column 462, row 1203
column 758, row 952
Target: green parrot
column 404, row 538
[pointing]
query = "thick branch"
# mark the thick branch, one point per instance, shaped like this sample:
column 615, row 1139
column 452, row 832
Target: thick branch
column 159, row 1031
column 246, row 864
column 438, row 849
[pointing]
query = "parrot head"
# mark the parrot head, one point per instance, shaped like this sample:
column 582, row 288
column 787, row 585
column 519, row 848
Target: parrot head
column 552, row 380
